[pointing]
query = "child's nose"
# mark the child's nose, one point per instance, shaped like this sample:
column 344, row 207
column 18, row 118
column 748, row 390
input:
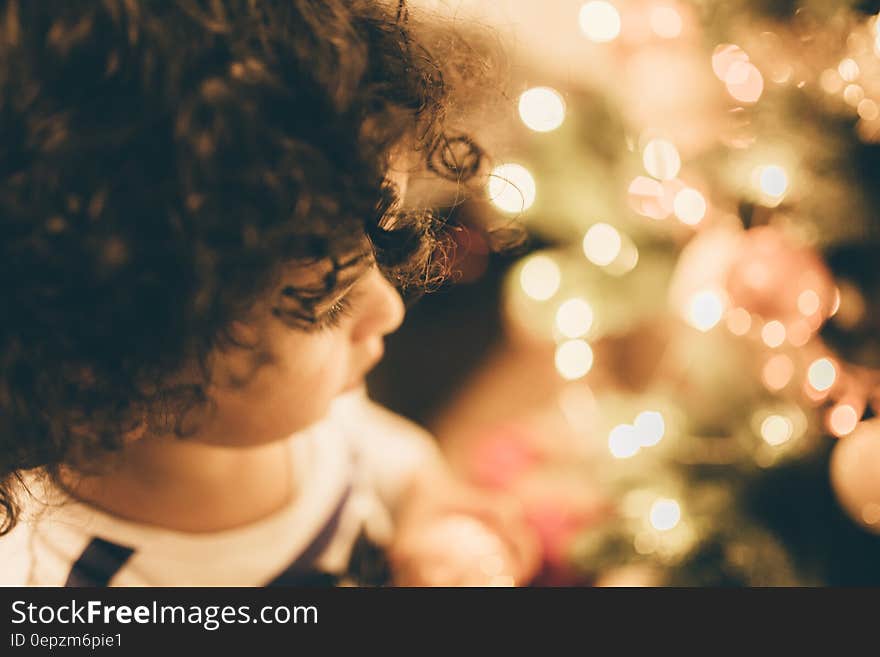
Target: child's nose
column 383, row 309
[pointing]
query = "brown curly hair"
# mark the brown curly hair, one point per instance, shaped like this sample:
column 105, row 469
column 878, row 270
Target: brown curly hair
column 160, row 163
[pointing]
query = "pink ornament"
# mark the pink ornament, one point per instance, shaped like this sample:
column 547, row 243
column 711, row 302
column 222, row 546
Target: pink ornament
column 502, row 456
column 855, row 474
column 780, row 281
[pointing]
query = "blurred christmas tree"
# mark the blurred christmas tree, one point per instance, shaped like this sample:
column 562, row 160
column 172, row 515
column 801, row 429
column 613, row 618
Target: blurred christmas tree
column 710, row 292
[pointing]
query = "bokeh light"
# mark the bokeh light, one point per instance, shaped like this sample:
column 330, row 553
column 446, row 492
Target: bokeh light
column 853, row 94
column 772, row 181
column 661, row 159
column 511, row 188
column 848, row 69
column 777, row 430
column 623, row 441
column 650, row 428
column 600, row 21
column 799, row 333
column 666, row 22
column 648, row 198
column 540, row 277
column 665, row 514
column 744, row 82
column 626, row 260
column 830, row 81
column 690, row 206
column 602, row 244
column 724, row 57
column 739, row 321
column 574, row 318
column 777, row 372
column 574, row 359
column 542, row 109
column 842, row 419
column 808, row 302
column 773, row 334
column 822, row 374
column 705, row 310
column 868, row 110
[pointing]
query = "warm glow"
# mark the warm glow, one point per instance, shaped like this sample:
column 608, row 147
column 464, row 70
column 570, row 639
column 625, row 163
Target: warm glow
column 626, row 261
column 600, row 21
column 776, row 430
column 744, row 82
column 511, row 188
column 739, row 321
column 777, row 372
column 868, row 110
column 645, row 543
column 665, row 514
column 602, row 244
column 773, row 181
column 724, row 57
column 542, row 109
column 808, row 302
column 690, row 206
column 574, row 318
column 853, row 94
column 830, row 81
column 650, row 427
column 647, row 196
column 666, row 22
column 848, row 69
column 835, row 302
column 705, row 310
column 623, row 441
column 822, row 374
column 773, row 334
column 661, row 159
column 799, row 333
column 540, row 278
column 574, row 358
column 842, row 420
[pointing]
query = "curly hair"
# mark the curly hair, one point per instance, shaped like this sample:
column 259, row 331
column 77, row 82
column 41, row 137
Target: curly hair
column 160, row 164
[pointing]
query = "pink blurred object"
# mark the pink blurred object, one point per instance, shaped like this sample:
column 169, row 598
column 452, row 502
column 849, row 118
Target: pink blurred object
column 502, row 456
column 559, row 503
column 778, row 279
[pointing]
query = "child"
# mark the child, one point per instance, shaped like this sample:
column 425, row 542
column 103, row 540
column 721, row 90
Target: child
column 202, row 239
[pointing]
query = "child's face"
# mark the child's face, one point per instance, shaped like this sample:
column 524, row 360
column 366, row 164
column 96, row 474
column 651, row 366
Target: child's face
column 307, row 372
column 308, row 369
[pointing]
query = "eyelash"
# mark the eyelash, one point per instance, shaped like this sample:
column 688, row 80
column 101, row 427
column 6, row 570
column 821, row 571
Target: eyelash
column 334, row 315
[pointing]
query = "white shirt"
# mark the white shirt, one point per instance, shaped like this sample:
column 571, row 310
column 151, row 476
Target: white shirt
column 350, row 468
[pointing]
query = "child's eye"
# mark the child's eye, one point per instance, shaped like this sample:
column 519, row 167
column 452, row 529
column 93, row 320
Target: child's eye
column 333, row 316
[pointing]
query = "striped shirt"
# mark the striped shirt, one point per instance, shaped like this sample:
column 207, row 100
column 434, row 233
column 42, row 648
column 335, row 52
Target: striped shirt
column 350, row 469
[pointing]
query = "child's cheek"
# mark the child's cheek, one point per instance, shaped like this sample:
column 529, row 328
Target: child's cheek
column 284, row 396
column 313, row 378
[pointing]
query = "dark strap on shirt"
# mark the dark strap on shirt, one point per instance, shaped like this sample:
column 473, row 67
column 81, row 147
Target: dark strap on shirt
column 102, row 559
column 98, row 563
column 367, row 566
column 302, row 571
